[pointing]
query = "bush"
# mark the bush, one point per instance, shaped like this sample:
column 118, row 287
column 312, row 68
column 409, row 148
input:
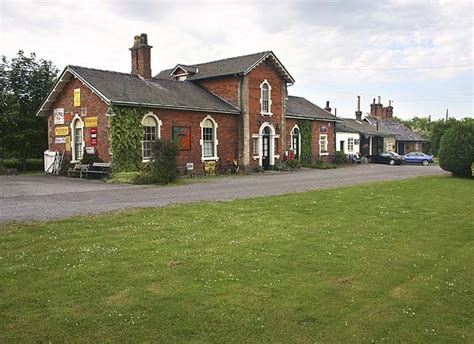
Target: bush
column 456, row 152
column 292, row 164
column 340, row 158
column 163, row 167
column 31, row 164
column 125, row 177
column 321, row 165
column 89, row 159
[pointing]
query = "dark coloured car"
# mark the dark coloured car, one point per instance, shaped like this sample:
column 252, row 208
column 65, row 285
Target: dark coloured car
column 390, row 158
column 418, row 158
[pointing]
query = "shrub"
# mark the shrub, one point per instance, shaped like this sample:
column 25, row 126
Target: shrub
column 340, row 158
column 31, row 164
column 292, row 164
column 125, row 177
column 456, row 152
column 89, row 159
column 163, row 167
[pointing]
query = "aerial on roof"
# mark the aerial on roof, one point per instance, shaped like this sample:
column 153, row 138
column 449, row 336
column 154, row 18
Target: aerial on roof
column 299, row 107
column 401, row 131
column 239, row 65
column 351, row 125
column 128, row 89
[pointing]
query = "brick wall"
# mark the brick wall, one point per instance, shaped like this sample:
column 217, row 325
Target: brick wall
column 225, row 87
column 92, row 106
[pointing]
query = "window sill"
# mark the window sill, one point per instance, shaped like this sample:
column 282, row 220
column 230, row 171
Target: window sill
column 323, row 154
column 255, row 157
column 211, row 158
column 266, row 114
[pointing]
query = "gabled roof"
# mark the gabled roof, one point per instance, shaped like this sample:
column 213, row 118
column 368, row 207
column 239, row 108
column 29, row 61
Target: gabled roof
column 399, row 130
column 239, row 65
column 184, row 68
column 128, row 89
column 350, row 125
column 301, row 108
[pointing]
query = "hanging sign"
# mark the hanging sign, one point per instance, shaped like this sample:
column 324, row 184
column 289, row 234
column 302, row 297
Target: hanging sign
column 60, row 140
column 61, row 131
column 68, row 143
column 77, row 97
column 90, row 150
column 94, row 142
column 59, row 116
column 90, row 122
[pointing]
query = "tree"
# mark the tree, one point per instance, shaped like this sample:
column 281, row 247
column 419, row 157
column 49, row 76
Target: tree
column 24, row 84
column 456, row 152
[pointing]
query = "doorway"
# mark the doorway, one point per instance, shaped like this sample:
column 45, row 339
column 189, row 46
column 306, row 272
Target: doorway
column 266, row 148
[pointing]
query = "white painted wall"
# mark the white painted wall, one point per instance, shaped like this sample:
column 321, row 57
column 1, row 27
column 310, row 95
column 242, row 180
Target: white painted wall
column 343, row 136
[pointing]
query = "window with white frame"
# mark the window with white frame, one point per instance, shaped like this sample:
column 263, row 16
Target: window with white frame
column 323, row 144
column 255, row 146
column 150, row 133
column 295, row 141
column 78, row 137
column 350, row 144
column 265, row 97
column 209, row 138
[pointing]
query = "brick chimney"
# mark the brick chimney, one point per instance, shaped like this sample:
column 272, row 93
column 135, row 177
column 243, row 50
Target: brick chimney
column 141, row 56
column 376, row 109
column 327, row 108
column 358, row 112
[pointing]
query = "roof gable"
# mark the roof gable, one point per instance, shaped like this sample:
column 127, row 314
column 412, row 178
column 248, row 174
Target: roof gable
column 240, row 65
column 399, row 130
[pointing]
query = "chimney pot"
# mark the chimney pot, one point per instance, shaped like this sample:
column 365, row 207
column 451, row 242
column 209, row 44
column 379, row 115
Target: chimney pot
column 141, row 56
column 379, row 100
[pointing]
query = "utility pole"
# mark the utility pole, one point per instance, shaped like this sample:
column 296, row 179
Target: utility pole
column 447, row 113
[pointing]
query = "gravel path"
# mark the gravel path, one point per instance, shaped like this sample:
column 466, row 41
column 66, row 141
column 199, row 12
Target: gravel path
column 52, row 197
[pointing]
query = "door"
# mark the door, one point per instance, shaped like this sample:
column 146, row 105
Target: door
column 266, row 149
column 341, row 146
column 401, row 148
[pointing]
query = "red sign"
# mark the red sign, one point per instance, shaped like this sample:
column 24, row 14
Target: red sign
column 93, row 130
column 94, row 142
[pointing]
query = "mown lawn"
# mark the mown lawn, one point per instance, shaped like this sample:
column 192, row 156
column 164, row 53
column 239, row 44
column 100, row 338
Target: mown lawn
column 388, row 262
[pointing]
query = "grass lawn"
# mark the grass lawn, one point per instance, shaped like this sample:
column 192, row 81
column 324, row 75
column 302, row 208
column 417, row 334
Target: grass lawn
column 386, row 262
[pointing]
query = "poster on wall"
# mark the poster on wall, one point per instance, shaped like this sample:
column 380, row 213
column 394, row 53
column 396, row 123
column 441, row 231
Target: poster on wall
column 59, row 116
column 68, row 143
column 77, row 97
column 90, row 122
column 60, row 140
column 61, row 131
column 182, row 136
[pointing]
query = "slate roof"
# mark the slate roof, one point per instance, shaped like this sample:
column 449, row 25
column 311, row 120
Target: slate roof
column 401, row 131
column 300, row 107
column 228, row 66
column 128, row 89
column 350, row 125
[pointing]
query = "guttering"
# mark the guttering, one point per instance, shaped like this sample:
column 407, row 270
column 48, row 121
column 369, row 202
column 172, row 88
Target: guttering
column 313, row 118
column 172, row 107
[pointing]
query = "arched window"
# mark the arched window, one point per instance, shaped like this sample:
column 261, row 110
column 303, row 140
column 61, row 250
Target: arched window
column 151, row 132
column 296, row 141
column 77, row 139
column 209, row 138
column 265, row 98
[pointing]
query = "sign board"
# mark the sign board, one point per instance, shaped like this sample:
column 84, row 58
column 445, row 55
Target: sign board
column 59, row 116
column 77, row 97
column 189, row 166
column 90, row 122
column 90, row 150
column 61, row 131
column 68, row 143
column 60, row 140
column 323, row 129
column 94, row 142
column 182, row 137
column 210, row 168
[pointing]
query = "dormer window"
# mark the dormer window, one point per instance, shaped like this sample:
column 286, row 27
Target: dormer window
column 181, row 77
column 265, row 98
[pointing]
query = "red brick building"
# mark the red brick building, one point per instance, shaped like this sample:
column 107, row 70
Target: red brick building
column 231, row 109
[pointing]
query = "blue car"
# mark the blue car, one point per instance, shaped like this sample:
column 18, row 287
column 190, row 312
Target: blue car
column 418, row 158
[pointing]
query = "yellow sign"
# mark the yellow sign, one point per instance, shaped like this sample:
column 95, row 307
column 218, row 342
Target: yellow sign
column 210, row 168
column 77, row 97
column 68, row 143
column 90, row 122
column 61, row 131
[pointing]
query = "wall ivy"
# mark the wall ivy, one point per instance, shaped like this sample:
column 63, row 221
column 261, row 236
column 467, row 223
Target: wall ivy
column 306, row 141
column 126, row 136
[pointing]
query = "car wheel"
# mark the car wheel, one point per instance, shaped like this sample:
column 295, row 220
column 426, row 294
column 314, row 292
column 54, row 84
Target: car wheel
column 425, row 163
column 392, row 162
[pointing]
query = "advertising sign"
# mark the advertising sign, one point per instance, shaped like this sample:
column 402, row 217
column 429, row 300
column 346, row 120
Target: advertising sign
column 59, row 116
column 68, row 143
column 60, row 140
column 61, row 131
column 90, row 122
column 182, row 136
column 77, row 97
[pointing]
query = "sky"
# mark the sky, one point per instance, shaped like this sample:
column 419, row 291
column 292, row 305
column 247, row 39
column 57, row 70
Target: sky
column 419, row 54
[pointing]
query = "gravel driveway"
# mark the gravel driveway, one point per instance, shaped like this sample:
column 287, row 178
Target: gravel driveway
column 53, row 197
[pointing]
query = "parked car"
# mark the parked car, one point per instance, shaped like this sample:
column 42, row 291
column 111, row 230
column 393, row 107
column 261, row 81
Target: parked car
column 418, row 158
column 390, row 158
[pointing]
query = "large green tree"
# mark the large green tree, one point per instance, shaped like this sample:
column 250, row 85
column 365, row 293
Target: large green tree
column 24, row 83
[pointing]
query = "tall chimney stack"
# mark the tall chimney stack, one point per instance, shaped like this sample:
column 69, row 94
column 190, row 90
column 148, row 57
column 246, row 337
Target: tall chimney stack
column 327, row 108
column 358, row 112
column 379, row 100
column 141, row 56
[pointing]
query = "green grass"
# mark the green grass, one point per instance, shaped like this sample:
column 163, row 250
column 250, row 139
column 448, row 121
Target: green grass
column 387, row 262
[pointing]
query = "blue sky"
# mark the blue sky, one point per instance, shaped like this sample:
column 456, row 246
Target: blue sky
column 417, row 53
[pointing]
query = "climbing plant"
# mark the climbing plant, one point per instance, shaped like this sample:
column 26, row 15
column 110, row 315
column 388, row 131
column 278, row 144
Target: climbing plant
column 306, row 141
column 127, row 136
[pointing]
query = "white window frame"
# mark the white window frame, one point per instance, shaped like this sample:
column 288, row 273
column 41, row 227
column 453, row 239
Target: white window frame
column 320, row 146
column 158, row 131
column 76, row 119
column 350, row 142
column 299, row 139
column 216, row 141
column 269, row 110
